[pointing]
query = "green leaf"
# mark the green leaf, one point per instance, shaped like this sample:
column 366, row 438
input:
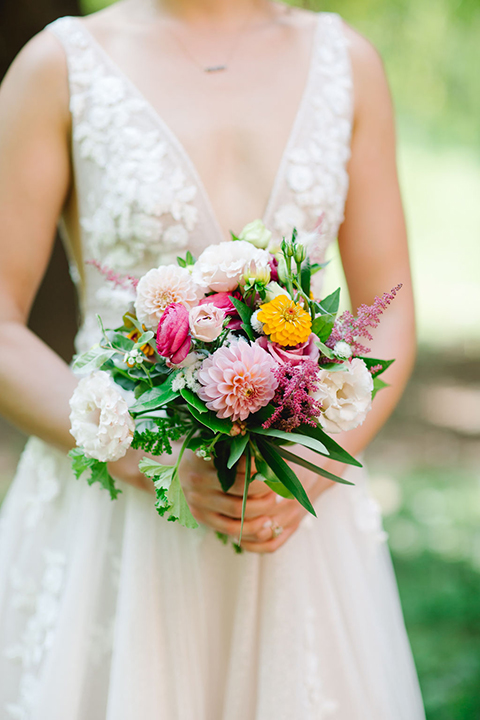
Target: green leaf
column 293, row 437
column 237, row 448
column 189, row 258
column 145, row 338
column 233, row 236
column 226, row 475
column 291, row 457
column 285, row 474
column 325, row 350
column 193, row 399
column 305, row 277
column 336, row 452
column 262, row 415
column 210, row 420
column 322, row 327
column 371, row 362
column 178, row 505
column 243, row 310
column 92, row 360
column 248, row 480
column 120, row 341
column 98, row 471
column 268, row 476
column 330, row 304
column 170, row 496
column 156, row 397
column 378, row 384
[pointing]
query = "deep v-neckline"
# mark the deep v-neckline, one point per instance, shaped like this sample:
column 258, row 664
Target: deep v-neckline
column 181, row 150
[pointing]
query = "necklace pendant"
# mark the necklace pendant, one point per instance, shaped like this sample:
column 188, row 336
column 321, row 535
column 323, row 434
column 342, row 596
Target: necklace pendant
column 214, row 68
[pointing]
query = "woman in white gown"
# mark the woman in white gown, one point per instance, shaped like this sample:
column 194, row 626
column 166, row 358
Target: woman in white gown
column 119, row 124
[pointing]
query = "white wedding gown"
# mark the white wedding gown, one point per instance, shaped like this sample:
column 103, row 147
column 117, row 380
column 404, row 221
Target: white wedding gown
column 108, row 612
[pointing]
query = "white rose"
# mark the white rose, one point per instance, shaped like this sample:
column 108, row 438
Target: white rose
column 346, row 397
column 162, row 286
column 206, row 322
column 256, row 233
column 220, row 267
column 101, row 423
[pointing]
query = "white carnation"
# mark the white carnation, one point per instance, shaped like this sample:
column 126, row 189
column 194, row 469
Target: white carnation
column 101, row 423
column 346, row 397
column 220, row 267
column 162, row 286
column 256, row 324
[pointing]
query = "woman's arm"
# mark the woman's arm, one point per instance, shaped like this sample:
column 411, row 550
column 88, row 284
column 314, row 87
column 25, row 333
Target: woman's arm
column 35, row 384
column 374, row 252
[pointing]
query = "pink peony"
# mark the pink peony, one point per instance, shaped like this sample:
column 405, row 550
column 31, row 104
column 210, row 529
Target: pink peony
column 237, row 380
column 206, row 322
column 304, row 351
column 223, row 300
column 173, row 337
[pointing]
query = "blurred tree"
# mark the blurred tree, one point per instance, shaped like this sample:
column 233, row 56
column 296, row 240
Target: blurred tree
column 20, row 20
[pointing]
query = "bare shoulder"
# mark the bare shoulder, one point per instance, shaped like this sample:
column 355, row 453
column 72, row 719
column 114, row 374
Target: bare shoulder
column 38, row 75
column 369, row 77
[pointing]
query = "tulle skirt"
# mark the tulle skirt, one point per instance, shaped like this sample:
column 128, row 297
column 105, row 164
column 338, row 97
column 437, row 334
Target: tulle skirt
column 108, row 612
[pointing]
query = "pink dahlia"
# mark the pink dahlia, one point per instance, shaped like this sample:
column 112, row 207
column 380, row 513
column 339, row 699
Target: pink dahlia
column 237, row 380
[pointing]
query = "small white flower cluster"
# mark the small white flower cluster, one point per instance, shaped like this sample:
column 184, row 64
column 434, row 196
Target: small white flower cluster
column 134, row 357
column 101, row 423
column 187, row 377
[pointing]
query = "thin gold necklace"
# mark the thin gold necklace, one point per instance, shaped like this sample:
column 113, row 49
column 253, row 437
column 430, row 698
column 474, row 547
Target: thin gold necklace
column 222, row 67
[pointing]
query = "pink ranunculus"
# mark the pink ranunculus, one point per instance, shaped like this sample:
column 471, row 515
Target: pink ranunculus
column 173, row 336
column 237, row 380
column 294, row 356
column 223, row 300
column 206, row 322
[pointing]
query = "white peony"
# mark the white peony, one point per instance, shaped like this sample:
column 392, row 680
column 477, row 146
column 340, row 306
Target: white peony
column 162, row 286
column 346, row 397
column 220, row 267
column 256, row 233
column 101, row 423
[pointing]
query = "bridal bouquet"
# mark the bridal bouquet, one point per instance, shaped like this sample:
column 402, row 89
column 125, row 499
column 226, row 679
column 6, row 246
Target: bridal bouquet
column 233, row 355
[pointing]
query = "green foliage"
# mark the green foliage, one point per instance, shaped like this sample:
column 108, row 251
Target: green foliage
column 156, row 397
column 170, row 497
column 98, row 471
column 155, row 435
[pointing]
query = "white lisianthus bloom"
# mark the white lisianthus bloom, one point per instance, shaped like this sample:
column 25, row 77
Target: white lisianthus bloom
column 273, row 290
column 221, row 266
column 101, row 423
column 346, row 397
column 162, row 286
column 256, row 233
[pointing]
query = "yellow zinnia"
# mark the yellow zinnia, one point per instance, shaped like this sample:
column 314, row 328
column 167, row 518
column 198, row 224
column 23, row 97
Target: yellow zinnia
column 285, row 321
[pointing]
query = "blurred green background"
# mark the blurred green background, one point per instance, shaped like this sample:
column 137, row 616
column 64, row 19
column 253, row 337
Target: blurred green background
column 425, row 463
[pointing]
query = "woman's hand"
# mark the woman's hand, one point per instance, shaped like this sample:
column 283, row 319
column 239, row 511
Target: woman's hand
column 222, row 511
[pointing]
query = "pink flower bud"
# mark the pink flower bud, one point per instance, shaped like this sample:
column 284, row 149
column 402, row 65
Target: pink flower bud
column 206, row 322
column 173, row 337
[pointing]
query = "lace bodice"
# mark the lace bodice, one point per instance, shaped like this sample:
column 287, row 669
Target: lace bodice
column 141, row 201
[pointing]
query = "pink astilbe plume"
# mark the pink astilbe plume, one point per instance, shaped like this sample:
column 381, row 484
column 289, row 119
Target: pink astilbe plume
column 123, row 281
column 348, row 328
column 293, row 397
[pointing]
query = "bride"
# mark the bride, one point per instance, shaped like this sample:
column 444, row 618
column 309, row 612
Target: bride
column 150, row 128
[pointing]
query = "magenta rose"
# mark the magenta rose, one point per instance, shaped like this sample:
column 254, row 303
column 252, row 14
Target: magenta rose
column 173, row 334
column 273, row 264
column 223, row 301
column 304, row 351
